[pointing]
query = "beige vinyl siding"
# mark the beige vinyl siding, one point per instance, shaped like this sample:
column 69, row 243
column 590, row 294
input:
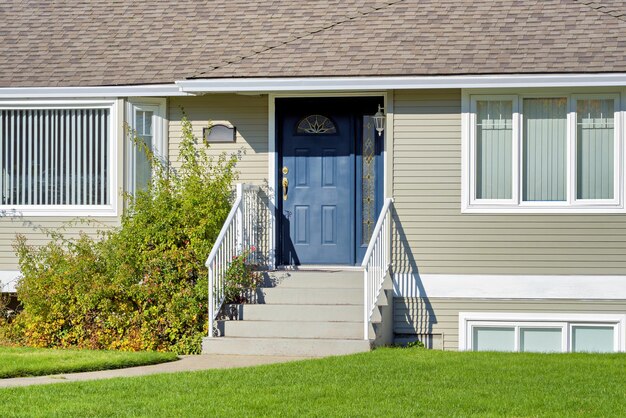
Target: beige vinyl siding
column 432, row 234
column 34, row 227
column 440, row 316
column 248, row 114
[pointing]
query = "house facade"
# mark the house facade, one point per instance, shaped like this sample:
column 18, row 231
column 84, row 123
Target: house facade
column 465, row 160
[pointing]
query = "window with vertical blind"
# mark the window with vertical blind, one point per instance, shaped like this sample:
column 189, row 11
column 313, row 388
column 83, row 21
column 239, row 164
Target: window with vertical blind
column 56, row 160
column 543, row 153
column 544, row 150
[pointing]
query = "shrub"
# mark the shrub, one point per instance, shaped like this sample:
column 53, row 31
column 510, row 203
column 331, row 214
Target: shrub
column 241, row 279
column 143, row 285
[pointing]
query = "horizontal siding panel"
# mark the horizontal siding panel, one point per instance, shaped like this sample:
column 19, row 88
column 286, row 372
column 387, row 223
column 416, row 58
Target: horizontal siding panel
column 32, row 228
column 520, row 247
column 412, row 137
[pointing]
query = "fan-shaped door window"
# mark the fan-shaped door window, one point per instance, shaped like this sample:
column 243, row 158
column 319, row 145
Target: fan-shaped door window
column 316, row 124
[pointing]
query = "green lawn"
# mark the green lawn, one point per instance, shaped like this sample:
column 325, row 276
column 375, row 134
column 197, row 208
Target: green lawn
column 386, row 382
column 20, row 361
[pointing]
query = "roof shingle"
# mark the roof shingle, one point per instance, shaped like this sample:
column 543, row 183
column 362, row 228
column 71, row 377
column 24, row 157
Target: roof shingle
column 75, row 43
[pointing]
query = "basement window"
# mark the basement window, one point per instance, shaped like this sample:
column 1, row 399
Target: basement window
column 543, row 333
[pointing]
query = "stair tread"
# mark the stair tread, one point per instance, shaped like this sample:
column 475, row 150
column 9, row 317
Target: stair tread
column 289, row 321
column 351, row 340
column 334, row 289
column 314, row 347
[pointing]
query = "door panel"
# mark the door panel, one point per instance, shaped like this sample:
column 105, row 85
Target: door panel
column 329, row 167
column 329, row 225
column 302, row 225
column 318, row 215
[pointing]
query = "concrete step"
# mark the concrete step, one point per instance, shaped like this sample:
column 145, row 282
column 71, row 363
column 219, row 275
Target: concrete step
column 322, row 280
column 283, row 346
column 305, row 296
column 304, row 313
column 293, row 329
column 324, row 272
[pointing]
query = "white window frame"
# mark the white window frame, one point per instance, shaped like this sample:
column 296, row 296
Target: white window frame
column 159, row 137
column 110, row 209
column 469, row 202
column 564, row 321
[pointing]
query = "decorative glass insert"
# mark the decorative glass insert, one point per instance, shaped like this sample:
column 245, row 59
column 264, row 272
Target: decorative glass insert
column 595, row 146
column 368, row 181
column 316, row 124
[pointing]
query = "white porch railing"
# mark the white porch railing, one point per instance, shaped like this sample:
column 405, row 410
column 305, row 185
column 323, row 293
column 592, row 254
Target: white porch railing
column 376, row 264
column 239, row 233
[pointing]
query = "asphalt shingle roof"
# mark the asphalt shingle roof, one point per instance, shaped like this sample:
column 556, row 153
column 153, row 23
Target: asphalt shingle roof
column 77, row 43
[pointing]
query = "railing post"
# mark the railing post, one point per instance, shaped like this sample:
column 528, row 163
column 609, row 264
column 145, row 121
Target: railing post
column 389, row 235
column 211, row 303
column 366, row 317
column 239, row 218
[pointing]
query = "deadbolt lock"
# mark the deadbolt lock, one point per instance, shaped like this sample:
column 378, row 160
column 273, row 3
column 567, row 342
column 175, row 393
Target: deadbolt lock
column 285, row 170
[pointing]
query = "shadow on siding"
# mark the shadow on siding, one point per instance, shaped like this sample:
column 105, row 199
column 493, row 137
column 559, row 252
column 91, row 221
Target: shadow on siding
column 413, row 312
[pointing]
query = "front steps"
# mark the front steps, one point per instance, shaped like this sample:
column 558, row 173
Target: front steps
column 300, row 313
column 297, row 347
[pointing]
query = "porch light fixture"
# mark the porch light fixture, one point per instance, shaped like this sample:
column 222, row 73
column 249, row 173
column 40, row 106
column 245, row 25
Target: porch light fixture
column 379, row 120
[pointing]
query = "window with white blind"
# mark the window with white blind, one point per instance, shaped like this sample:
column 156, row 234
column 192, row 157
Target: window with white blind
column 147, row 123
column 542, row 153
column 57, row 160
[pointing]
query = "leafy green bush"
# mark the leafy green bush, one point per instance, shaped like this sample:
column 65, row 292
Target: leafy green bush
column 143, row 285
column 241, row 279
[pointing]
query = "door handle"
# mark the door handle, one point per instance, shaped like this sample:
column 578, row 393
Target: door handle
column 285, row 187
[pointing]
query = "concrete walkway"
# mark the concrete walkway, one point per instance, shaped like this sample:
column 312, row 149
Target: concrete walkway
column 185, row 364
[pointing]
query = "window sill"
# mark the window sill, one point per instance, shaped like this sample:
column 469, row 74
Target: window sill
column 544, row 209
column 58, row 211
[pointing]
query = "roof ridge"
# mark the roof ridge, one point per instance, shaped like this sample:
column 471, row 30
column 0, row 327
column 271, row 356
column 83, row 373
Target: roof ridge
column 592, row 5
column 350, row 17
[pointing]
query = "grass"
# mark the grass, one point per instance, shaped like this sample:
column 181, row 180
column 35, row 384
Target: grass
column 21, row 361
column 386, row 382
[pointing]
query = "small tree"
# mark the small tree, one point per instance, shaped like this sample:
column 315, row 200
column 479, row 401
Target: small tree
column 143, row 285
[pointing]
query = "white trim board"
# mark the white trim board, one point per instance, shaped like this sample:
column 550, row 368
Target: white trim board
column 509, row 286
column 8, row 280
column 328, row 84
column 148, row 90
column 303, row 84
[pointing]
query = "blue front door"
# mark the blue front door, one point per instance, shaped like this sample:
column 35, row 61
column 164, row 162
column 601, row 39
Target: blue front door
column 317, row 186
